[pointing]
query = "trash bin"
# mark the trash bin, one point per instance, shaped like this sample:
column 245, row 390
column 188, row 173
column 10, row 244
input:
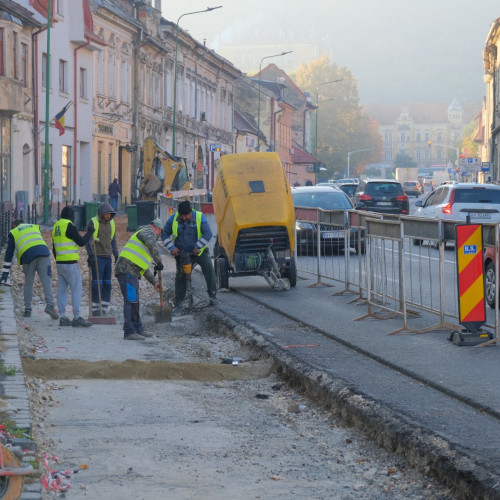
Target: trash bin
column 145, row 212
column 131, row 217
column 79, row 222
column 91, row 208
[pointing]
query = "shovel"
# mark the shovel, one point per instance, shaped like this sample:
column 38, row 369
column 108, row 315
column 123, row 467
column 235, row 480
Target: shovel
column 162, row 314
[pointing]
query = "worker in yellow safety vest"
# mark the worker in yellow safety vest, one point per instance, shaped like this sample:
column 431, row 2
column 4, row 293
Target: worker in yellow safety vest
column 33, row 254
column 66, row 240
column 133, row 263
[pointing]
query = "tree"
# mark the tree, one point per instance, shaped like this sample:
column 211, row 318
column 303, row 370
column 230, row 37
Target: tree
column 403, row 160
column 342, row 124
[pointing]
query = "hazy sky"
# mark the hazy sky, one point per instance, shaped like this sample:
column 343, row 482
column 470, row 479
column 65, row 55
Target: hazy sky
column 398, row 50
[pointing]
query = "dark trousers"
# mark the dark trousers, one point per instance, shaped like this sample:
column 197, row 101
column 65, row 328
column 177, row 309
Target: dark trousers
column 207, row 268
column 129, row 286
column 104, row 268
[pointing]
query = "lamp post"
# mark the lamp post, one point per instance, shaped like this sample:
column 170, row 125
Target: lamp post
column 316, row 128
column 258, row 106
column 349, row 157
column 174, row 119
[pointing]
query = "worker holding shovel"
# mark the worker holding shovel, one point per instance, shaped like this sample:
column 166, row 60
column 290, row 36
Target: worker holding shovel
column 133, row 262
column 100, row 249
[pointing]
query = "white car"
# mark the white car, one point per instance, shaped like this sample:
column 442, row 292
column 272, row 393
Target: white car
column 457, row 201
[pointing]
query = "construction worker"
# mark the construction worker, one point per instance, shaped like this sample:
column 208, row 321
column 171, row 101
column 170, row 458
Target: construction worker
column 188, row 231
column 133, row 262
column 66, row 240
column 99, row 249
column 34, row 255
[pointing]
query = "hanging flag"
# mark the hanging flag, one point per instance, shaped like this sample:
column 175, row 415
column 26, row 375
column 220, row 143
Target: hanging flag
column 61, row 118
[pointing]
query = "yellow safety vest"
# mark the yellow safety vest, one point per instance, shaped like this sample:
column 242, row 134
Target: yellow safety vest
column 66, row 248
column 95, row 220
column 175, row 227
column 26, row 236
column 137, row 252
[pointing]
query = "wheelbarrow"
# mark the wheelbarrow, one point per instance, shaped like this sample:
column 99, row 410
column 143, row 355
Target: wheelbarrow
column 11, row 475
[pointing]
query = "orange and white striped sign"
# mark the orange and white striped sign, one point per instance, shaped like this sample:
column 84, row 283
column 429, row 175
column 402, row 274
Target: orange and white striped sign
column 469, row 248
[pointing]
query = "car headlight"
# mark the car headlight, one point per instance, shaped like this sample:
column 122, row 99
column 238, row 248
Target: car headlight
column 304, row 225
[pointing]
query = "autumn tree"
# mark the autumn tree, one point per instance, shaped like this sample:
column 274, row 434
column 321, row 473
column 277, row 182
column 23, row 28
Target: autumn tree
column 342, row 124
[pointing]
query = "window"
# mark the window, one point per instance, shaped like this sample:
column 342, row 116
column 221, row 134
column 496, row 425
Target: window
column 83, row 83
column 63, row 76
column 66, row 173
column 2, row 53
column 439, row 137
column 5, row 169
column 24, row 63
column 418, row 138
column 111, row 75
column 44, row 70
column 100, row 72
column 58, row 7
column 14, row 53
column 388, row 137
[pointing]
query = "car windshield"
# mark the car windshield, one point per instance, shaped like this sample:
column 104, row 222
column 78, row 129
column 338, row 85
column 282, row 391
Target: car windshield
column 349, row 189
column 326, row 201
column 477, row 195
column 383, row 188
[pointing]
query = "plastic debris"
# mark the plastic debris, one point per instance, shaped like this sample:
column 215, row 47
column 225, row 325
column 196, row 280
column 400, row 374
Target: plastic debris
column 55, row 480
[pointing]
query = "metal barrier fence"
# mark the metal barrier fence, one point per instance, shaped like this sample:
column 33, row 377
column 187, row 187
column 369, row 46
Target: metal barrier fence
column 6, row 218
column 406, row 270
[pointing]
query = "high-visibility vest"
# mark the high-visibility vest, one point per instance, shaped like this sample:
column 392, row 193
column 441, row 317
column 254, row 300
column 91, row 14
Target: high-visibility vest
column 137, row 252
column 26, row 236
column 66, row 248
column 175, row 227
column 95, row 220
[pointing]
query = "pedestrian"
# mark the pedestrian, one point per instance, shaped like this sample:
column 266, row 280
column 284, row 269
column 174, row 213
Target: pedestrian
column 114, row 191
column 100, row 248
column 66, row 240
column 188, row 231
column 33, row 254
column 133, row 262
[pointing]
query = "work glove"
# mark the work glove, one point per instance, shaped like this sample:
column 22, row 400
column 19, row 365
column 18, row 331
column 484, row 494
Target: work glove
column 159, row 266
column 4, row 277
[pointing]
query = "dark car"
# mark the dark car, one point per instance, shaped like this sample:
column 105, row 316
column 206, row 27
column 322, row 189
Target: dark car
column 331, row 237
column 412, row 188
column 349, row 189
column 385, row 196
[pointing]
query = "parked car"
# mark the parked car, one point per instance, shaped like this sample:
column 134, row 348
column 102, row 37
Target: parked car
column 382, row 195
column 412, row 188
column 331, row 237
column 457, row 201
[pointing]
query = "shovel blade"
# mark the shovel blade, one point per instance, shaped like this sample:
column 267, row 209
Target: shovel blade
column 163, row 314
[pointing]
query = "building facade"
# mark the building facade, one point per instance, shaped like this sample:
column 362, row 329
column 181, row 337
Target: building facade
column 428, row 133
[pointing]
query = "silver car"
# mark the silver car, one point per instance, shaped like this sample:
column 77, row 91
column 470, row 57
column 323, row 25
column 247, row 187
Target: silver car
column 457, row 201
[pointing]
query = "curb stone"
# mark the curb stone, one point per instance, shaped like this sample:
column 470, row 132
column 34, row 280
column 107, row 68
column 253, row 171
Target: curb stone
column 393, row 431
column 13, row 389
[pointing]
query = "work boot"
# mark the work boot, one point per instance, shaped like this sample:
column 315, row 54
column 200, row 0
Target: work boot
column 64, row 321
column 177, row 311
column 50, row 310
column 27, row 313
column 213, row 298
column 80, row 322
column 146, row 334
column 134, row 336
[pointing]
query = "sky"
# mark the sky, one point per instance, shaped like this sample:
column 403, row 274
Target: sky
column 398, row 50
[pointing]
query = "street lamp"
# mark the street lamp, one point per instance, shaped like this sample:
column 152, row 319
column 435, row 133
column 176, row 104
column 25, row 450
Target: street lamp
column 349, row 157
column 174, row 120
column 316, row 129
column 258, row 107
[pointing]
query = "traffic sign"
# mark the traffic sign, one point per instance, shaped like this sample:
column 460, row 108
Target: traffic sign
column 214, row 147
column 485, row 166
column 470, row 164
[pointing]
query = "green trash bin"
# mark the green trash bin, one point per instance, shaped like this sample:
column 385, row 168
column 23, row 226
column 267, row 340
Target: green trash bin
column 91, row 208
column 131, row 217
